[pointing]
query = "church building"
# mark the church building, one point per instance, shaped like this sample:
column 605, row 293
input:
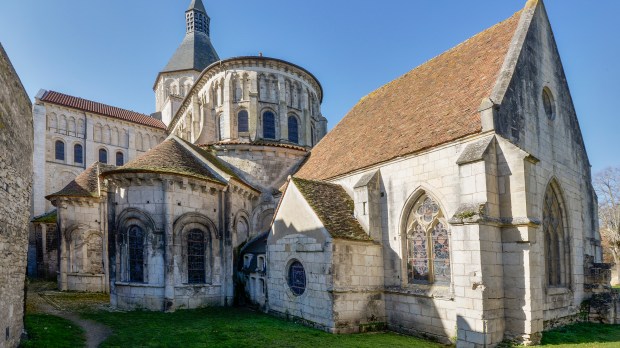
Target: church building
column 455, row 202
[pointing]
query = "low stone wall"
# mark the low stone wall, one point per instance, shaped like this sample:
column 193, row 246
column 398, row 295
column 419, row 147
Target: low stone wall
column 86, row 282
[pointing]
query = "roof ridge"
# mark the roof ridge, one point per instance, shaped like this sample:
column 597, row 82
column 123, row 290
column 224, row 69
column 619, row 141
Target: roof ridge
column 96, row 107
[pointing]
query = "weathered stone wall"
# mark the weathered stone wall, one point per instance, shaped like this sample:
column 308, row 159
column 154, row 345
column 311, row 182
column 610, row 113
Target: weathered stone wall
column 298, row 235
column 357, row 273
column 16, row 137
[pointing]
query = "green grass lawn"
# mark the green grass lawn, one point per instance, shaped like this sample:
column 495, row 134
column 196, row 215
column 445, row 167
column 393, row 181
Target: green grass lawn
column 584, row 335
column 48, row 331
column 231, row 327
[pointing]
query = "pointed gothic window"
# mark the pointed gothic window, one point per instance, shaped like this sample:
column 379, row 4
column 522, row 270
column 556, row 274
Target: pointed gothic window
column 548, row 103
column 135, row 246
column 242, row 121
column 557, row 250
column 269, row 125
column 293, row 129
column 196, row 260
column 78, row 154
column 428, row 243
column 60, row 150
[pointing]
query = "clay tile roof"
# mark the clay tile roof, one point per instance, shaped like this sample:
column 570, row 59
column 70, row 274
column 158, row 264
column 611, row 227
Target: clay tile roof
column 84, row 185
column 101, row 109
column 334, row 207
column 432, row 104
column 169, row 157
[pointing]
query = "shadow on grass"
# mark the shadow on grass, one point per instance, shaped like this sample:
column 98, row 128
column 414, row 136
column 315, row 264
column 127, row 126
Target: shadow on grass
column 231, row 327
column 583, row 334
column 48, row 331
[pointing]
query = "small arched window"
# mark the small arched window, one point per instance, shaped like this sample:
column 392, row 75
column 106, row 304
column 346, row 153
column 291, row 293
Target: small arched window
column 557, row 246
column 293, row 129
column 60, row 150
column 135, row 247
column 548, row 103
column 120, row 159
column 103, row 156
column 297, row 278
column 428, row 243
column 196, row 261
column 269, row 125
column 78, row 154
column 242, row 121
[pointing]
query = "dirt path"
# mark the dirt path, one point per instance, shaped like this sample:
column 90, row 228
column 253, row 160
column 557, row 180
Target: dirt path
column 39, row 299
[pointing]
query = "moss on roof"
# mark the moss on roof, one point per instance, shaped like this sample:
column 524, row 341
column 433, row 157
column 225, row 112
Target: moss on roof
column 169, row 157
column 86, row 184
column 47, row 218
column 334, row 207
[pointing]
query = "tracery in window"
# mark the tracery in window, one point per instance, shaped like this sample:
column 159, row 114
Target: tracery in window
column 557, row 251
column 297, row 278
column 196, row 257
column 428, row 243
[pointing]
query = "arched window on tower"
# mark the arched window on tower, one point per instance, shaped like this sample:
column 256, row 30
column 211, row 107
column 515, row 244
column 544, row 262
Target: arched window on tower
column 557, row 245
column 59, row 150
column 120, row 159
column 269, row 125
column 196, row 260
column 293, row 129
column 428, row 243
column 78, row 154
column 103, row 156
column 242, row 121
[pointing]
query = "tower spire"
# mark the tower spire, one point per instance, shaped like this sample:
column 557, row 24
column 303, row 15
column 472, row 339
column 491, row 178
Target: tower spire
column 196, row 18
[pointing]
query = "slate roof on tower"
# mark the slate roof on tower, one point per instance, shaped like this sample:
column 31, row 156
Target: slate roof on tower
column 431, row 105
column 84, row 185
column 100, row 109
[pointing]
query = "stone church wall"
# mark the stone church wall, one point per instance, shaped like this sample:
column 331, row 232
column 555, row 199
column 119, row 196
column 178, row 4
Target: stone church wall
column 16, row 138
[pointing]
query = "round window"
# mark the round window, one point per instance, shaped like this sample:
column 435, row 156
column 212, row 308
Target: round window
column 548, row 103
column 297, row 278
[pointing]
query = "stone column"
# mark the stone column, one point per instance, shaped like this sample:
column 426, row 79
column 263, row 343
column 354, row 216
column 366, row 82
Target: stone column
column 281, row 122
column 168, row 217
column 254, row 117
column 64, row 262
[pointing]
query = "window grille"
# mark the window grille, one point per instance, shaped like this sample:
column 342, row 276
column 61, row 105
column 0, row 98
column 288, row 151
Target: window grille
column 196, row 257
column 293, row 130
column 135, row 238
column 242, row 122
column 60, row 150
column 297, row 278
column 269, row 125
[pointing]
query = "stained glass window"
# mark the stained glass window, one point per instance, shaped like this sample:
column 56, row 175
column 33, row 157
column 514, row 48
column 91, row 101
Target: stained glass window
column 428, row 244
column 293, row 130
column 269, row 125
column 135, row 241
column 242, row 121
column 297, row 278
column 196, row 257
column 555, row 248
column 60, row 150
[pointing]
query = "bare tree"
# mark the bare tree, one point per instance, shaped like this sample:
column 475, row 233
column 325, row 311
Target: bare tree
column 607, row 186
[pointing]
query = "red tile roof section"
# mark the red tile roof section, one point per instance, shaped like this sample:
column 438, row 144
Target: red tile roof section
column 101, row 109
column 431, row 105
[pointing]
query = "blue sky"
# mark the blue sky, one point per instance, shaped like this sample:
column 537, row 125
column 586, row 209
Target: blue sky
column 111, row 50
